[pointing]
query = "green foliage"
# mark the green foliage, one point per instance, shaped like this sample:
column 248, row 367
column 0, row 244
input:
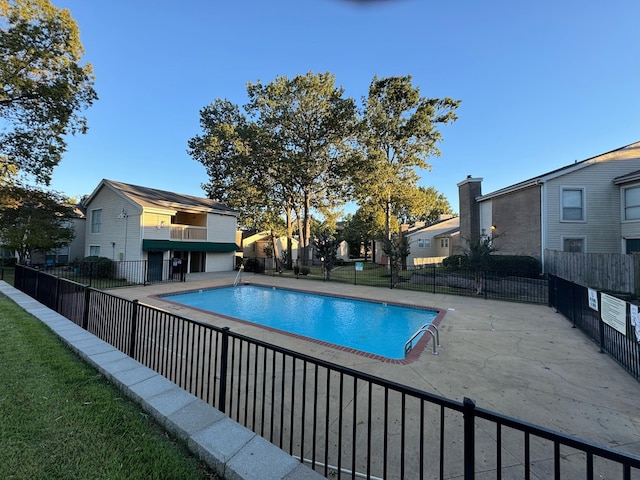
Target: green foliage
column 98, row 267
column 287, row 155
column 8, row 261
column 398, row 134
column 254, row 265
column 516, row 265
column 422, row 204
column 397, row 249
column 326, row 250
column 43, row 85
column 33, row 220
column 456, row 262
column 367, row 224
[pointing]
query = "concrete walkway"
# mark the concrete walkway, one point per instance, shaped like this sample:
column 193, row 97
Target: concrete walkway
column 525, row 361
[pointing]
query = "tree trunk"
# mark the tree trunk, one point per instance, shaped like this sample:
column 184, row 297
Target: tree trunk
column 276, row 254
column 287, row 212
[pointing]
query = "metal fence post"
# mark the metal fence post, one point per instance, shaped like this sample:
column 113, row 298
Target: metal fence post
column 468, row 413
column 85, row 315
column 484, row 281
column 134, row 328
column 57, row 297
column 223, row 369
column 434, row 278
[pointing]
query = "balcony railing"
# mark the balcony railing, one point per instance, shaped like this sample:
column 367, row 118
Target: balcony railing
column 188, row 232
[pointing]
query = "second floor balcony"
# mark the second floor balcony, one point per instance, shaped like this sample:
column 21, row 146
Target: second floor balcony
column 188, row 232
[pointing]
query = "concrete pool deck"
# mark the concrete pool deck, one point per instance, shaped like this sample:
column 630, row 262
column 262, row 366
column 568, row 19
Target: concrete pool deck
column 521, row 360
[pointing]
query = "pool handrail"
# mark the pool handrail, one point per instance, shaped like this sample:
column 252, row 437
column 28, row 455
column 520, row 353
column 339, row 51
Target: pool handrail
column 237, row 280
column 426, row 328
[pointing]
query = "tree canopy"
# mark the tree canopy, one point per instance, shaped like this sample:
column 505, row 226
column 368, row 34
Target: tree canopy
column 289, row 153
column 398, row 135
column 34, row 220
column 43, row 85
column 300, row 146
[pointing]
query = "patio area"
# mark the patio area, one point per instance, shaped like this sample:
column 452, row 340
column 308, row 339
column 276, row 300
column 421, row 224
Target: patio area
column 521, row 360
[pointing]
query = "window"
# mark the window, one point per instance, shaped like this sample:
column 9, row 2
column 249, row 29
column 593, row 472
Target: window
column 444, row 243
column 424, row 243
column 573, row 205
column 96, row 221
column 94, row 250
column 632, row 203
column 573, row 245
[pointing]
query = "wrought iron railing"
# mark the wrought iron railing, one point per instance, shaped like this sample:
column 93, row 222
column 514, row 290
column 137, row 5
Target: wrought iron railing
column 572, row 301
column 426, row 278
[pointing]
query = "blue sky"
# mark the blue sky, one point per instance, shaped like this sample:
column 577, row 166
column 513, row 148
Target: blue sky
column 542, row 83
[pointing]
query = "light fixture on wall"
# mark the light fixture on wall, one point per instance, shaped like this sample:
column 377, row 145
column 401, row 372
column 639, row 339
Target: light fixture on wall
column 493, row 227
column 123, row 214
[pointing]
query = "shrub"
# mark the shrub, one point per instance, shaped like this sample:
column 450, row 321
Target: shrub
column 101, row 267
column 516, row 265
column 296, row 269
column 456, row 262
column 253, row 265
column 8, row 262
column 305, row 271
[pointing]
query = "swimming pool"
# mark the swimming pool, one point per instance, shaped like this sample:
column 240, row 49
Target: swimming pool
column 365, row 326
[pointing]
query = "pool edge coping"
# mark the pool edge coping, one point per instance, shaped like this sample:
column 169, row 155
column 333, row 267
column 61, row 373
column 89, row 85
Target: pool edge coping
column 411, row 357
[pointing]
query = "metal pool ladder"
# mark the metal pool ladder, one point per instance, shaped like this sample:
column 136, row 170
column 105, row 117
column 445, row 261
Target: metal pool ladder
column 426, row 328
column 237, row 280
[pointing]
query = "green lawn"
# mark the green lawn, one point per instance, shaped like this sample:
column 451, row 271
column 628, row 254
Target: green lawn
column 62, row 419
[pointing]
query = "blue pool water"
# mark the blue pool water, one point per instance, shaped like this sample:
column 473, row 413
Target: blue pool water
column 370, row 327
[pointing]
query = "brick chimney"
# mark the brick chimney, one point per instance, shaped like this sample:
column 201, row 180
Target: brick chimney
column 468, row 190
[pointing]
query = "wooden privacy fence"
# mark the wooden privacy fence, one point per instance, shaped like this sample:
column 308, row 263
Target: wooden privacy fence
column 614, row 272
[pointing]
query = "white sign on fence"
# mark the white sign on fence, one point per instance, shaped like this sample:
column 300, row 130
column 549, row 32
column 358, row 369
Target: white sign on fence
column 635, row 320
column 614, row 312
column 593, row 299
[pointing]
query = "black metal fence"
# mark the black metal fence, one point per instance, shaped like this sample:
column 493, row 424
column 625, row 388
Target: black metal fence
column 341, row 422
column 427, row 278
column 111, row 274
column 572, row 300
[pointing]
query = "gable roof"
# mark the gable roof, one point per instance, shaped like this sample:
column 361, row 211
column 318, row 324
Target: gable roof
column 151, row 197
column 557, row 172
column 451, row 224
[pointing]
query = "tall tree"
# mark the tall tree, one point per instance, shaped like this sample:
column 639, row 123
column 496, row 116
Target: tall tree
column 34, row 220
column 43, row 86
column 313, row 124
column 364, row 226
column 290, row 153
column 399, row 133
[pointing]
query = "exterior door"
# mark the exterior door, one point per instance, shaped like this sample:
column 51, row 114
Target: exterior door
column 154, row 273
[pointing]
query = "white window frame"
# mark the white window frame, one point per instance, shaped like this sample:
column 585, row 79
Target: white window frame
column 96, row 226
column 625, row 217
column 574, row 237
column 444, row 243
column 94, row 250
column 582, row 191
column 424, row 243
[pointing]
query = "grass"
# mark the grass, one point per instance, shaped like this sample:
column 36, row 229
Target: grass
column 61, row 419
